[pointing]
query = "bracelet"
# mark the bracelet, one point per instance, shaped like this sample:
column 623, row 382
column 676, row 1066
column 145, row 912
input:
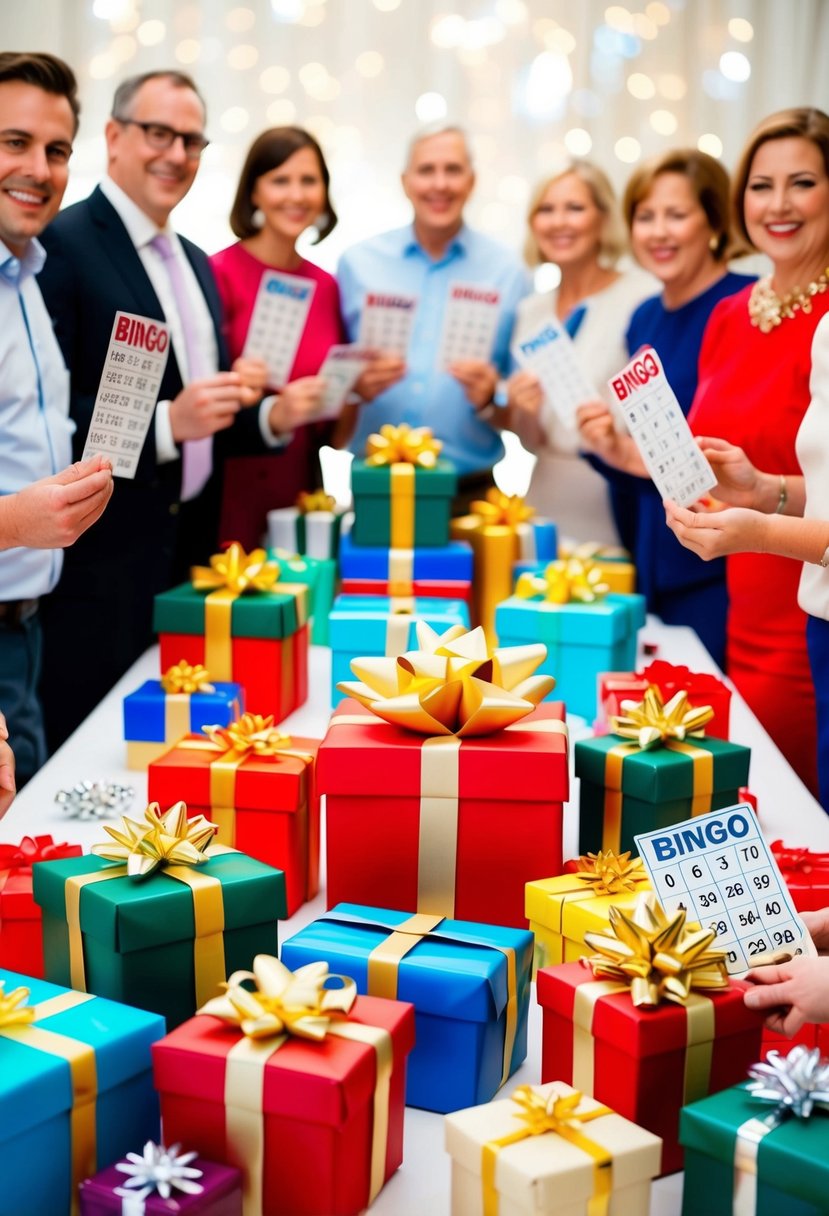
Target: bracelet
column 784, row 496
column 824, row 561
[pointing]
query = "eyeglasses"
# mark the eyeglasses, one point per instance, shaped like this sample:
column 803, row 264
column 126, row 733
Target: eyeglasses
column 160, row 137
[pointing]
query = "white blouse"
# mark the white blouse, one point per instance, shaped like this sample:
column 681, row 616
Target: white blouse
column 813, row 455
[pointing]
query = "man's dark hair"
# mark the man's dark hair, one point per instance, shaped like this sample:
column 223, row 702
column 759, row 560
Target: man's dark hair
column 127, row 90
column 45, row 71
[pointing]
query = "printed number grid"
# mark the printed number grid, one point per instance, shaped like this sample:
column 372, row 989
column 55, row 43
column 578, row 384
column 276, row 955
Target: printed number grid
column 469, row 331
column 276, row 325
column 662, row 434
column 565, row 385
column 385, row 327
column 124, row 405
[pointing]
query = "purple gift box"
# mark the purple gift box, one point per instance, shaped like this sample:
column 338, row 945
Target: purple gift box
column 221, row 1196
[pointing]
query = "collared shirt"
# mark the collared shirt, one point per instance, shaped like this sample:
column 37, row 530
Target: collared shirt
column 35, row 427
column 426, row 396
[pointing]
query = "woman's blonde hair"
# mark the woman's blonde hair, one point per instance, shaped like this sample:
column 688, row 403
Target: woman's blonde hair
column 613, row 241
column 708, row 179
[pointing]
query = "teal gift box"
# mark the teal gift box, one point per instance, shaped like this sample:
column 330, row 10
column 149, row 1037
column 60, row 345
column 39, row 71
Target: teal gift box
column 402, row 506
column 363, row 625
column 469, row 984
column 320, row 577
column 154, row 719
column 76, row 1091
column 582, row 641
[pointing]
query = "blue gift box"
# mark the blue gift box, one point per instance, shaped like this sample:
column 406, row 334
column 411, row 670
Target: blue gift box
column 362, row 625
column 582, row 640
column 458, row 979
column 451, row 562
column 145, row 717
column 36, row 1094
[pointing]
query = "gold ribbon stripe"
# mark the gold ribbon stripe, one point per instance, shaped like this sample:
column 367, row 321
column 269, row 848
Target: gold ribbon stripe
column 218, row 612
column 398, row 624
column 176, row 715
column 401, row 571
column 746, row 1147
column 703, row 785
column 402, row 506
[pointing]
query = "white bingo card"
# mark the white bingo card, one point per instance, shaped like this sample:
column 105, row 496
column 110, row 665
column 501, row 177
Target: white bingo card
column 128, row 391
column 660, row 429
column 470, row 322
column 386, row 322
column 277, row 322
column 719, row 868
column 341, row 370
column 550, row 355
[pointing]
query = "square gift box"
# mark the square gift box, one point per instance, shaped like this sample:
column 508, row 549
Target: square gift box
column 469, row 985
column 21, row 935
column 76, row 1089
column 445, row 825
column 554, row 1173
column 401, row 505
column 320, row 577
column 221, row 1194
column 646, row 1063
column 702, row 688
column 154, row 719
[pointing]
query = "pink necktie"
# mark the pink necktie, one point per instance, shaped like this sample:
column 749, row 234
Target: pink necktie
column 197, row 454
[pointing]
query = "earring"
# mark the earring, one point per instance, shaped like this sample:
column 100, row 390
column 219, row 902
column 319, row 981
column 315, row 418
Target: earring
column 714, row 243
column 258, row 218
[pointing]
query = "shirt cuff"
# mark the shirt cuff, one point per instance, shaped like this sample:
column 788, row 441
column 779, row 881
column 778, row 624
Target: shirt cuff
column 165, row 445
column 271, row 440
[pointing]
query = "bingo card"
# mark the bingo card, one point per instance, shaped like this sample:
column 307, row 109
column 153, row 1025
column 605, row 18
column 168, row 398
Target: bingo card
column 719, row 868
column 277, row 322
column 469, row 323
column 661, row 432
column 341, row 370
column 550, row 355
column 386, row 322
column 128, row 391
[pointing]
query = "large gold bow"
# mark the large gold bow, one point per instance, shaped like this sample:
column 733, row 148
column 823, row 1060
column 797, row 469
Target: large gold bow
column 609, row 873
column 187, row 678
column 403, row 445
column 14, row 1010
column 550, row 1114
column 168, row 839
column 656, row 955
column 452, row 684
column 496, row 507
column 282, row 1001
column 564, row 582
column 250, row 733
column 651, row 721
column 315, row 500
column 236, row 570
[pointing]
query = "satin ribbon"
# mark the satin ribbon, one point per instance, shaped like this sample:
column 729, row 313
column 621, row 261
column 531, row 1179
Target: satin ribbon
column 563, row 582
column 398, row 624
column 702, row 785
column 557, row 1115
column 496, row 529
column 178, row 683
column 315, row 500
column 802, row 862
column 592, row 876
column 18, row 859
column 403, row 445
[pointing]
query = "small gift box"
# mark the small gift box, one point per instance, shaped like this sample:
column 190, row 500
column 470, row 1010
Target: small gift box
column 654, row 771
column 469, row 985
column 702, row 688
column 245, row 624
column 21, row 944
column 445, row 571
column 660, row 1025
column 300, row 1085
column 760, row 1148
column 163, row 1182
column 806, row 874
column 75, row 1088
column 258, row 787
column 549, row 1151
column 383, row 626
column 311, row 528
column 320, row 577
column 183, row 700
column 402, row 490
column 162, row 930
column 615, row 566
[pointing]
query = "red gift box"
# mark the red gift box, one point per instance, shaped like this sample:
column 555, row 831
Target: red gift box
column 811, row 1035
column 21, row 941
column 317, row 1108
column 636, row 1059
column 806, row 874
column 271, row 812
column 442, row 589
column 450, row 826
column 702, row 689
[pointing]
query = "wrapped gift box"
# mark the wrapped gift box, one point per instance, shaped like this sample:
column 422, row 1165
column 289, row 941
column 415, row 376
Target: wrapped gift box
column 806, row 874
column 615, row 566
column 404, row 833
column 401, row 505
column 314, row 533
column 320, row 577
column 221, row 1194
column 317, row 1101
column 381, row 625
column 702, row 688
column 21, row 938
column 76, row 1091
column 264, row 804
column 444, row 572
column 154, row 719
column 548, row 1174
column 582, row 640
column 625, row 790
column 137, row 941
column 646, row 1062
column 811, row 1035
column 469, row 985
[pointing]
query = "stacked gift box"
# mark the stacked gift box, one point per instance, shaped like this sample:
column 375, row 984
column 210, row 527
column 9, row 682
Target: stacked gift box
column 305, row 540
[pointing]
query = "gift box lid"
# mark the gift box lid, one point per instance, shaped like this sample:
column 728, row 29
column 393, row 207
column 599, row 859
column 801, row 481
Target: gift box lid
column 570, row 907
column 36, row 1085
column 266, row 614
column 453, row 978
column 439, row 481
column 144, row 709
column 489, row 765
column 658, row 773
column 601, row 623
column 450, row 561
column 126, row 915
column 360, row 620
column 262, row 783
column 337, row 1075
column 535, row 1173
column 217, row 1181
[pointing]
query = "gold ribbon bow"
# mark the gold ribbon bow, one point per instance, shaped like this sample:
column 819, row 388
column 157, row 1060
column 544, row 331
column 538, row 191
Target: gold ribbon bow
column 403, row 445
column 187, row 678
column 652, row 721
column 564, row 582
column 250, row 733
column 237, row 571
column 14, row 1010
column 168, row 839
column 610, row 873
column 315, row 500
column 453, row 684
column 282, row 1002
column 496, row 507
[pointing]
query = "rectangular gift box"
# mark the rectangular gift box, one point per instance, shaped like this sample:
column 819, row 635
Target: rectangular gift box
column 314, row 534
column 402, row 505
column 562, row 909
column 155, row 942
column 448, row 826
column 496, row 548
column 628, row 791
column 616, row 568
column 811, row 1035
column 791, row 1174
column 320, row 577
column 221, row 1193
column 21, row 935
column 644, row 1063
column 469, row 985
column 582, row 640
column 702, row 688
column 806, row 874
column 451, row 562
column 76, row 1090
column 317, row 1100
column 270, row 812
column 259, row 640
column 154, row 719
column 549, row 1174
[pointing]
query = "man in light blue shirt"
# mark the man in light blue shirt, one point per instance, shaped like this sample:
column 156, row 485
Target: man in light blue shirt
column 437, row 249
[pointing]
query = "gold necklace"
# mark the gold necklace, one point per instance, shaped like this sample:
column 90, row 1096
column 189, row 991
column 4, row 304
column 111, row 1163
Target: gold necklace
column 767, row 309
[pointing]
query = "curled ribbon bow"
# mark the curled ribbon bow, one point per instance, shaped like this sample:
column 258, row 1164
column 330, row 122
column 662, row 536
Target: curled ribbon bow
column 250, row 733
column 799, row 861
column 315, row 500
column 609, row 873
column 796, row 1083
column 499, row 508
column 237, row 571
column 187, row 678
column 166, row 839
column 31, row 849
column 651, row 721
column 403, row 445
column 282, row 1002
column 159, row 1169
column 542, row 1114
column 564, row 582
column 14, row 1010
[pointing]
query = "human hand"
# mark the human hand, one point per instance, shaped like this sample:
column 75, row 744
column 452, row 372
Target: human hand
column 381, row 373
column 477, row 378
column 790, row 994
column 7, row 786
column 53, row 512
column 206, row 406
column 818, row 925
column 253, row 374
column 296, row 404
column 738, row 482
column 524, row 393
column 712, row 534
column 597, row 431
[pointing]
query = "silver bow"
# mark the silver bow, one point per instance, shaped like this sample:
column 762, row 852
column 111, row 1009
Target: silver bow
column 95, row 799
column 797, row 1082
column 159, row 1169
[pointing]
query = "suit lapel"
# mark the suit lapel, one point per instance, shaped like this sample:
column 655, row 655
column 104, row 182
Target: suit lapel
column 126, row 266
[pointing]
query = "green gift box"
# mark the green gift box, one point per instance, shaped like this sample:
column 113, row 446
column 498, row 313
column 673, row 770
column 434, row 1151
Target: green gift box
column 265, row 614
column 320, row 577
column 626, row 790
column 161, row 942
column 402, row 505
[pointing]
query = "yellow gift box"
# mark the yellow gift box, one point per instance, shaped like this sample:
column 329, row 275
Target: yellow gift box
column 614, row 565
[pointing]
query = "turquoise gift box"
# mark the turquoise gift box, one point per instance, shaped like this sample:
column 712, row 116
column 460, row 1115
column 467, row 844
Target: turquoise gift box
column 102, row 1105
column 362, row 625
column 582, row 640
column 469, row 984
column 320, row 577
column 154, row 719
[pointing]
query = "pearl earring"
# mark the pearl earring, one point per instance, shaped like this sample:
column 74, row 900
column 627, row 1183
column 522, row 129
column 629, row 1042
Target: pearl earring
column 258, row 218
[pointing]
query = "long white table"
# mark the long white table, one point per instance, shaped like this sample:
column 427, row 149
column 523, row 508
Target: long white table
column 96, row 750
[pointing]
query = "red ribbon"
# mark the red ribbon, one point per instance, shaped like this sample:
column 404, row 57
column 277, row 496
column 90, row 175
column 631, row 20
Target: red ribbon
column 19, row 858
column 799, row 861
